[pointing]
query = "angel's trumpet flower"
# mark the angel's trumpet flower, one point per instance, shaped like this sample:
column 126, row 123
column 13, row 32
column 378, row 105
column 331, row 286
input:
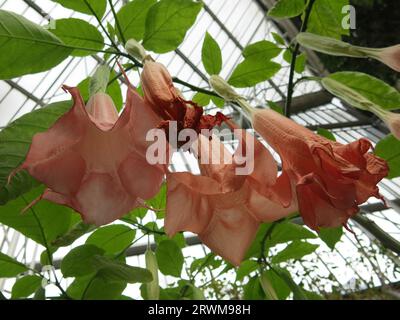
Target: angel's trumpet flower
column 93, row 160
column 328, row 180
column 220, row 205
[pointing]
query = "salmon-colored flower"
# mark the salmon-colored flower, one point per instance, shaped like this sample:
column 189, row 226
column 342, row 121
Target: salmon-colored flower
column 328, row 180
column 220, row 205
column 167, row 102
column 94, row 161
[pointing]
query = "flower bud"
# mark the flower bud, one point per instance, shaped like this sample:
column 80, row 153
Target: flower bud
column 99, row 81
column 221, row 87
column 329, row 45
column 135, row 49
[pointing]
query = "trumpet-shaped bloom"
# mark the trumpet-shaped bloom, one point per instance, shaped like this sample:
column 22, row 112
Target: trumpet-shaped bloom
column 327, row 179
column 219, row 205
column 167, row 102
column 94, row 161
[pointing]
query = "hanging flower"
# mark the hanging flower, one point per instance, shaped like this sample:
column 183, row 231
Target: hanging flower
column 326, row 179
column 329, row 180
column 220, row 205
column 94, row 161
column 167, row 102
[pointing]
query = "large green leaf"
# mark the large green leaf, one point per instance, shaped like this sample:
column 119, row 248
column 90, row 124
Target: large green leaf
column 167, row 23
column 211, row 55
column 331, row 236
column 81, row 261
column 43, row 223
column 362, row 90
column 15, row 140
column 287, row 8
column 295, row 250
column 95, row 287
column 112, row 270
column 245, row 268
column 262, row 50
column 83, row 6
column 252, row 71
column 280, row 286
column 76, row 231
column 25, row 286
column 389, row 149
column 26, row 47
column 9, row 267
column 326, row 18
column 282, row 232
column 79, row 33
column 112, row 239
column 170, row 258
column 132, row 18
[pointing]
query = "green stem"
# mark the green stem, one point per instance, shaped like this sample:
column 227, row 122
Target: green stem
column 46, row 244
column 117, row 22
column 101, row 25
column 294, row 58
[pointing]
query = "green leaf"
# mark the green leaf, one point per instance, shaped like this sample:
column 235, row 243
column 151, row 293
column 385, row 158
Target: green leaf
column 219, row 102
column 287, row 231
column 44, row 219
column 79, row 33
column 83, row 6
column 77, row 231
column 252, row 71
column 298, row 292
column 211, row 55
column 278, row 39
column 170, row 258
column 159, row 202
column 295, row 250
column 94, row 287
column 282, row 232
column 267, row 287
column 15, row 141
column 153, row 289
column 276, row 107
column 112, row 270
column 300, row 60
column 263, row 50
column 287, row 9
column 280, row 286
column 326, row 18
column 167, row 23
column 26, row 286
column 389, row 149
column 362, row 90
column 331, row 236
column 9, row 267
column 80, row 261
column 245, row 268
column 132, row 18
column 201, row 99
column 252, row 290
column 112, row 239
column 29, row 47
column 326, row 133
